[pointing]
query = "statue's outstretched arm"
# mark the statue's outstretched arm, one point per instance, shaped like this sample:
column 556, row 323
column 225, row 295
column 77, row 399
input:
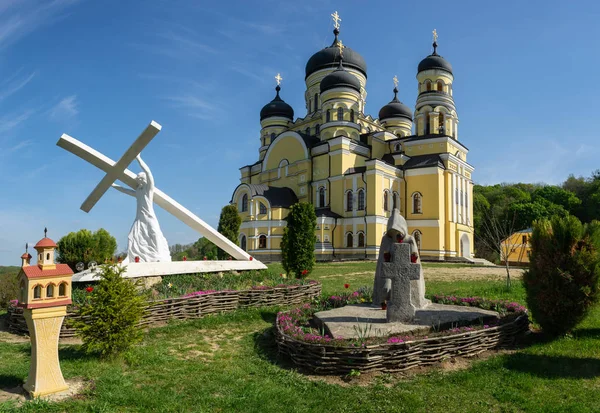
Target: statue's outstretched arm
column 124, row 190
column 146, row 169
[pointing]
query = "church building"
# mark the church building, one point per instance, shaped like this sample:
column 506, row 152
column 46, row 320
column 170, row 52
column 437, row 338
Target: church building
column 355, row 168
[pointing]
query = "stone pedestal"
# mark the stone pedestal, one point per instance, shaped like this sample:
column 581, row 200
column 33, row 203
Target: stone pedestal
column 45, row 376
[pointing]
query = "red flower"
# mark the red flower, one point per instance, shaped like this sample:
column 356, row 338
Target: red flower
column 229, row 258
column 346, row 285
column 413, row 258
column 251, row 258
column 184, row 258
column 137, row 259
column 205, row 258
column 89, row 289
column 304, row 272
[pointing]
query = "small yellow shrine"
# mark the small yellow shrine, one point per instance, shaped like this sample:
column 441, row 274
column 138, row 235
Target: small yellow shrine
column 355, row 168
column 44, row 293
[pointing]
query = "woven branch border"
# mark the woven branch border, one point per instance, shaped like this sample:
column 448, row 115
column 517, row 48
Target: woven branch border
column 335, row 360
column 185, row 308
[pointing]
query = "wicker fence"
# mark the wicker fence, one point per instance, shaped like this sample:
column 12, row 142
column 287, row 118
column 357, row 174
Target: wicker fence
column 185, row 308
column 337, row 360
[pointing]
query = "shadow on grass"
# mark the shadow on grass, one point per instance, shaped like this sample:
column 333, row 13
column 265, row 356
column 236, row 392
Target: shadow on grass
column 70, row 353
column 587, row 333
column 8, row 381
column 553, row 367
column 266, row 348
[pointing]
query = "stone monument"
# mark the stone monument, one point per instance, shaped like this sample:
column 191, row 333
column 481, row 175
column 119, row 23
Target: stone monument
column 44, row 293
column 397, row 232
column 400, row 271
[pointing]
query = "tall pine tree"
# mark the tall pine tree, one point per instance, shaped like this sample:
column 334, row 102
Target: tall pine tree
column 298, row 242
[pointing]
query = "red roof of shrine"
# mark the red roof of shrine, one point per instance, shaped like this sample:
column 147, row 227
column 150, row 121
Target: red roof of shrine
column 34, row 271
column 45, row 242
column 26, row 255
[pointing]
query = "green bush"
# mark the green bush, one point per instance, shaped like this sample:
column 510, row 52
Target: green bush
column 85, row 246
column 298, row 242
column 109, row 318
column 562, row 282
column 229, row 226
column 9, row 289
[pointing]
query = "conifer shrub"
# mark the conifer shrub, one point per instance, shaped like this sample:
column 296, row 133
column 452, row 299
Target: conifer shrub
column 229, row 226
column 298, row 242
column 562, row 282
column 110, row 315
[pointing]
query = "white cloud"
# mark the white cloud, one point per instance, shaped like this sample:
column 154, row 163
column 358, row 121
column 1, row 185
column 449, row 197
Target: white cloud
column 22, row 17
column 66, row 109
column 195, row 106
column 9, row 86
column 10, row 122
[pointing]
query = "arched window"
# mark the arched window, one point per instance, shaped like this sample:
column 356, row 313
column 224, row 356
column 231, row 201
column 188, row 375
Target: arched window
column 262, row 241
column 272, row 137
column 309, row 106
column 361, row 200
column 417, row 203
column 441, row 123
column 417, row 236
column 245, row 203
column 262, row 209
column 321, row 197
column 243, row 242
column 317, row 129
column 386, row 201
column 328, row 116
column 47, row 256
column 361, row 239
column 23, row 294
column 349, row 240
column 461, row 197
column 351, row 115
column 397, row 147
column 349, row 199
column 456, row 196
column 340, row 114
column 440, row 86
column 308, row 130
column 37, row 291
column 62, row 290
column 396, row 201
column 50, row 291
column 428, row 86
column 316, row 101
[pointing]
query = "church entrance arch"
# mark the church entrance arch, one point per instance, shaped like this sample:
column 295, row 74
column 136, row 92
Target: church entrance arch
column 465, row 246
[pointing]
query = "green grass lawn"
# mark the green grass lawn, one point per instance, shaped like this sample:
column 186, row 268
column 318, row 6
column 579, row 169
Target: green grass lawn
column 228, row 363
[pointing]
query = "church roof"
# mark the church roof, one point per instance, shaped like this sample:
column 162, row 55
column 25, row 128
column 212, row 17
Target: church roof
column 326, row 212
column 277, row 107
column 34, row 271
column 44, row 243
column 329, row 57
column 278, row 197
column 340, row 78
column 434, row 61
column 424, row 161
column 395, row 109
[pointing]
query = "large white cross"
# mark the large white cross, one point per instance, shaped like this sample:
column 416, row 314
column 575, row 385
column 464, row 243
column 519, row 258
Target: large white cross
column 118, row 171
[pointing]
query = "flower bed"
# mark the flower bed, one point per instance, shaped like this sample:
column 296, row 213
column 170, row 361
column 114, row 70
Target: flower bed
column 195, row 305
column 321, row 354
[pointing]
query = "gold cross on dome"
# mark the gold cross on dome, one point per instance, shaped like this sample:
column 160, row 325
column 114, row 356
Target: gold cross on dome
column 336, row 19
column 340, row 46
column 395, row 81
column 278, row 78
column 435, row 35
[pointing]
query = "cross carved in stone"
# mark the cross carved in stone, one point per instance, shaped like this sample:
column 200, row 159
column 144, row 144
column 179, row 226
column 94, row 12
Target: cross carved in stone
column 401, row 271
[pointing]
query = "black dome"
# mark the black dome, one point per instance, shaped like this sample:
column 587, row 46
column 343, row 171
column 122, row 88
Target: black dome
column 277, row 107
column 329, row 57
column 340, row 78
column 395, row 109
column 434, row 61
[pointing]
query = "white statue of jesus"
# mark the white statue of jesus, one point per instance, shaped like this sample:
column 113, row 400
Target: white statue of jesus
column 145, row 239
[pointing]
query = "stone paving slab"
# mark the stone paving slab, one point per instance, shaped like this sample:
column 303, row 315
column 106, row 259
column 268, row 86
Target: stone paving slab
column 371, row 321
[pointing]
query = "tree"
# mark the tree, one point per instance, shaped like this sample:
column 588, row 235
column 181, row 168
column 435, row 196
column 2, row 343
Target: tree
column 229, row 226
column 495, row 233
column 557, row 196
column 108, row 322
column 85, row 246
column 563, row 279
column 298, row 242
column 204, row 248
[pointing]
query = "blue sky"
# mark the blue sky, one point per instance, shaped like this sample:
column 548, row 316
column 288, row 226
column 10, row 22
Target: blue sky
column 525, row 90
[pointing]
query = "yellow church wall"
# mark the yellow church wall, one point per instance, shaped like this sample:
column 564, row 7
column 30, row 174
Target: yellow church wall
column 285, row 148
column 429, row 187
column 320, row 167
